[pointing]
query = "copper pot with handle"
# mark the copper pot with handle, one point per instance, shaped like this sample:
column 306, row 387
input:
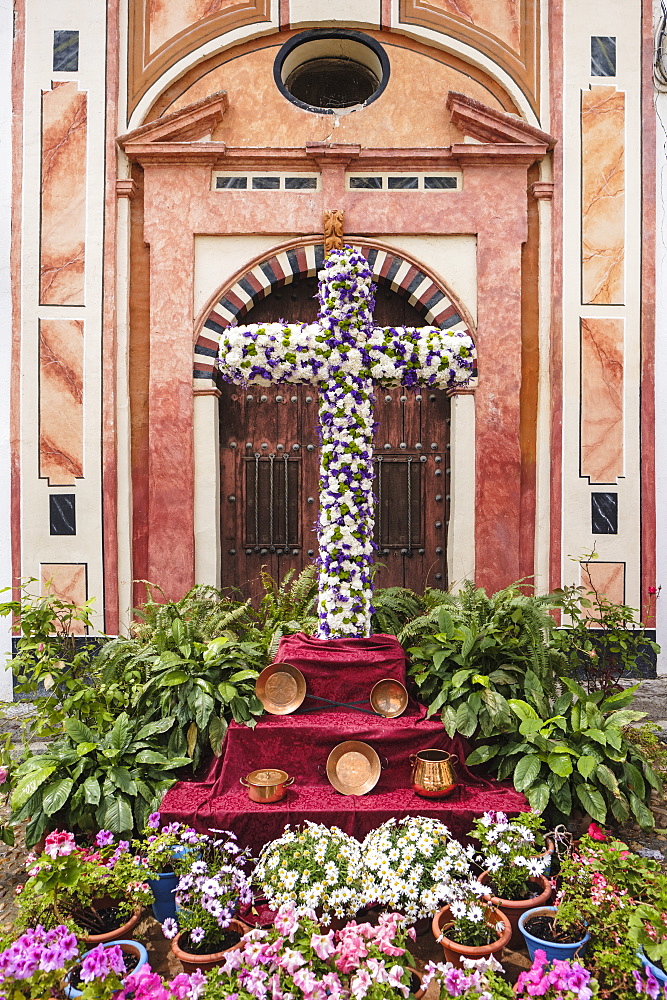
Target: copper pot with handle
column 267, row 785
column 433, row 774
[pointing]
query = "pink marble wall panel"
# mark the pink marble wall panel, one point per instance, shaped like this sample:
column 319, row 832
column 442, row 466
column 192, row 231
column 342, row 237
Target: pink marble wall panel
column 61, row 400
column 607, row 579
column 69, row 582
column 63, row 226
column 602, row 399
column 167, row 17
column 501, row 18
column 603, row 194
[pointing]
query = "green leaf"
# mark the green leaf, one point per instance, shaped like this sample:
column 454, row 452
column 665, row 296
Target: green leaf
column 575, row 688
column 643, row 815
column 624, row 718
column 120, row 736
column 538, row 796
column 651, row 777
column 592, row 801
column 562, row 798
column 461, row 676
column 466, row 720
column 449, row 720
column 560, row 764
column 586, row 765
column 172, row 678
column 122, row 779
column 56, row 795
column 216, row 734
column 118, row 815
column 620, row 809
column 597, row 735
column 634, row 779
column 227, row 691
column 606, row 777
column 83, row 748
column 153, row 728
column 36, row 829
column 482, row 754
column 91, row 791
column 530, row 726
column 481, row 679
column 29, row 785
column 243, row 675
column 78, row 732
column 526, row 772
column 522, row 709
column 497, row 705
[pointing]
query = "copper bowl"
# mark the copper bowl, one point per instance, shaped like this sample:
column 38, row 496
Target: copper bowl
column 281, row 688
column 267, row 785
column 389, row 698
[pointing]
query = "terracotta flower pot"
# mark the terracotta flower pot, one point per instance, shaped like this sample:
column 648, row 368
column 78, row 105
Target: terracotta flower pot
column 514, row 908
column 124, row 931
column 454, row 951
column 418, row 994
column 192, row 962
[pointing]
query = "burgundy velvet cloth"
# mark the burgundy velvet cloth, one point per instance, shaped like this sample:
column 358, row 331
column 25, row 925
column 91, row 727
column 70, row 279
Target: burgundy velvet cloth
column 300, row 744
column 343, row 670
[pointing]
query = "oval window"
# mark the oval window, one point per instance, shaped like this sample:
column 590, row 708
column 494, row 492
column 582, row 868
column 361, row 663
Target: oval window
column 329, row 71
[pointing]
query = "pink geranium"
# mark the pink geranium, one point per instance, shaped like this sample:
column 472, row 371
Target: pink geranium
column 60, row 843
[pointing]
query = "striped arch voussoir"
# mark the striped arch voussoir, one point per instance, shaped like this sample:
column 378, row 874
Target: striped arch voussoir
column 389, row 268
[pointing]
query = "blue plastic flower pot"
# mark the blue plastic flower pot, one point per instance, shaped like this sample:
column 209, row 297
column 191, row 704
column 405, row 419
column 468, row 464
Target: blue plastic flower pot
column 656, row 970
column 71, row 992
column 163, row 889
column 552, row 950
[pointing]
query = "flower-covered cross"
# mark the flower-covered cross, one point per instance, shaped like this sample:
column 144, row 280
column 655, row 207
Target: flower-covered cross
column 343, row 354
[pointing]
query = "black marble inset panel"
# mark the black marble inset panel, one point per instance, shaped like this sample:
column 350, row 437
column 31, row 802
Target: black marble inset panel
column 65, row 51
column 440, row 183
column 232, row 182
column 300, row 183
column 265, row 183
column 603, row 55
column 366, row 182
column 62, row 513
column 604, row 513
column 403, row 183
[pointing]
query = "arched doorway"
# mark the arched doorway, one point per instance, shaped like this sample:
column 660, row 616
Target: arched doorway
column 269, row 466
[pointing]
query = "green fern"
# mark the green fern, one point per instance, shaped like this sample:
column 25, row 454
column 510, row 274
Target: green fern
column 392, row 608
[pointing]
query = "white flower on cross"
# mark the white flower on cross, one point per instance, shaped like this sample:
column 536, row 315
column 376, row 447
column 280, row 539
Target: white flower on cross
column 343, row 355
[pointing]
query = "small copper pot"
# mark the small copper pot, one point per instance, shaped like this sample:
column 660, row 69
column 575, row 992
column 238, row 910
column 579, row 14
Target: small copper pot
column 433, row 774
column 267, row 785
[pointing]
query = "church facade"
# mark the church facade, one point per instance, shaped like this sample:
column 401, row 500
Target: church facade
column 177, row 167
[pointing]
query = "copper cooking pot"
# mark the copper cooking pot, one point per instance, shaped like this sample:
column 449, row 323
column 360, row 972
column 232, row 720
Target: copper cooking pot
column 433, row 774
column 267, row 785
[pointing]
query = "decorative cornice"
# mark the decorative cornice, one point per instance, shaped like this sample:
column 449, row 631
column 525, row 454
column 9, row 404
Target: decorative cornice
column 488, row 125
column 126, row 188
column 332, row 152
column 542, row 190
column 180, row 132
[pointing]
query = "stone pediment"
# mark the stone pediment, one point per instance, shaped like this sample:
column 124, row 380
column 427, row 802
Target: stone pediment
column 487, row 125
column 186, row 131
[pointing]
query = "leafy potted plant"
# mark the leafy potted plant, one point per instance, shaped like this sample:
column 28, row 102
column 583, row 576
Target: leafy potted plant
column 314, row 868
column 101, row 890
column 648, row 933
column 475, row 652
column 407, row 862
column 106, row 962
column 297, row 958
column 160, row 848
column 469, row 926
column 573, row 753
column 39, row 962
column 212, row 883
column 512, row 870
column 477, row 979
column 556, row 980
column 87, row 779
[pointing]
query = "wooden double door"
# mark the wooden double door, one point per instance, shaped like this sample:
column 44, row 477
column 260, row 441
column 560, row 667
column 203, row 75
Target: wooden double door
column 269, row 455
